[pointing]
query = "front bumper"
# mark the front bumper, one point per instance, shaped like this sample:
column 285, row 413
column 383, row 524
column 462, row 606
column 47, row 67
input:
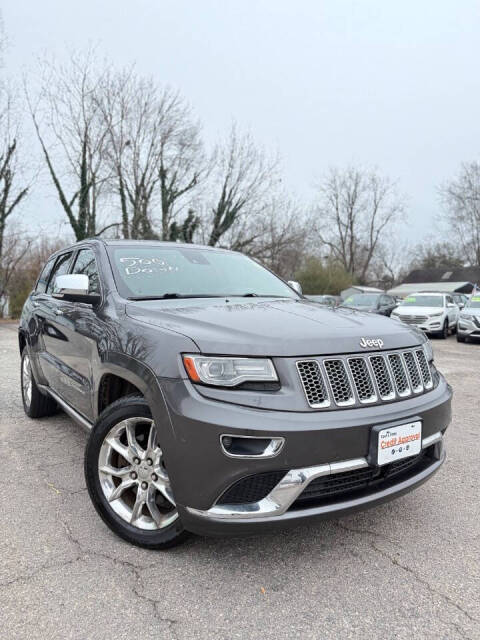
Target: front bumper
column 468, row 329
column 273, row 510
column 315, row 443
column 433, row 325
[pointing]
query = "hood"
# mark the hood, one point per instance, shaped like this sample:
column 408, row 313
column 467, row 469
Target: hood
column 272, row 327
column 359, row 307
column 418, row 311
column 471, row 311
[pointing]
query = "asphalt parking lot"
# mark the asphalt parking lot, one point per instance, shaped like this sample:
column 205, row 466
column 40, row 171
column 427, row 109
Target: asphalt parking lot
column 408, row 569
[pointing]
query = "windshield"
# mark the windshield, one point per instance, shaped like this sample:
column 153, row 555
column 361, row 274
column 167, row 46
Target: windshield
column 473, row 303
column 159, row 271
column 423, row 301
column 360, row 300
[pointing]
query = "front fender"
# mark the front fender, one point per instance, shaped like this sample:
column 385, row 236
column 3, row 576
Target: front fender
column 142, row 377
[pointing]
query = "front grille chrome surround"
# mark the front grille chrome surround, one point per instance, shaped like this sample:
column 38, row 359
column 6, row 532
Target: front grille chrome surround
column 313, row 383
column 424, row 368
column 399, row 372
column 362, row 379
column 383, row 377
column 339, row 382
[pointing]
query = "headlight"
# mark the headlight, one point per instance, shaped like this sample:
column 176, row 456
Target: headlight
column 436, row 315
column 427, row 347
column 466, row 316
column 229, row 372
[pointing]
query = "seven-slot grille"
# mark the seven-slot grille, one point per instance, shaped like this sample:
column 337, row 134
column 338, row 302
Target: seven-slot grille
column 414, row 319
column 358, row 380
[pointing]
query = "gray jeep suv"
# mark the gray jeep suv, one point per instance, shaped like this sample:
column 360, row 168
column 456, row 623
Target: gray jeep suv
column 218, row 399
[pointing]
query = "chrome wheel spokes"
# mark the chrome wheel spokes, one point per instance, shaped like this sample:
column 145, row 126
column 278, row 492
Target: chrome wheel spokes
column 27, row 380
column 133, row 476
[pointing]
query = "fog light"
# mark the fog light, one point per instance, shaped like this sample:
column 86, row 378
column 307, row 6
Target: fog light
column 251, row 446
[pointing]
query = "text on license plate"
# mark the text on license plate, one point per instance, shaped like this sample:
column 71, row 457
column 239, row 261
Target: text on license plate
column 402, row 441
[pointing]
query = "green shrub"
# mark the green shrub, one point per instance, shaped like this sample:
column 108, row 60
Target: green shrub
column 318, row 278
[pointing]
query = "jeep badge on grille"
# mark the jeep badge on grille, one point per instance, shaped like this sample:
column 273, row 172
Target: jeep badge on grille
column 377, row 343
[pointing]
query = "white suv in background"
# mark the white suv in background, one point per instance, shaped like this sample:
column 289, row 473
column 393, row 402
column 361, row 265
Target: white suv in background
column 434, row 313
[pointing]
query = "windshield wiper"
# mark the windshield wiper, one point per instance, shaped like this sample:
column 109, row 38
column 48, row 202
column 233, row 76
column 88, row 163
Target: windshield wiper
column 171, row 296
column 254, row 295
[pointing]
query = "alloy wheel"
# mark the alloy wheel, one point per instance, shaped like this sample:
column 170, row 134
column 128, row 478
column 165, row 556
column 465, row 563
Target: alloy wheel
column 133, row 475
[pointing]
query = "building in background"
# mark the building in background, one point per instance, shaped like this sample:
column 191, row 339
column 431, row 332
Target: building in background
column 359, row 289
column 461, row 280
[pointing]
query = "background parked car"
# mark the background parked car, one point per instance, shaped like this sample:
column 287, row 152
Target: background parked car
column 434, row 313
column 380, row 303
column 331, row 301
column 469, row 320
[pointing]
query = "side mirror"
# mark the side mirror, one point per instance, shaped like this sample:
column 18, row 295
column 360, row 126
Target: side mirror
column 450, row 305
column 296, row 286
column 73, row 287
column 461, row 305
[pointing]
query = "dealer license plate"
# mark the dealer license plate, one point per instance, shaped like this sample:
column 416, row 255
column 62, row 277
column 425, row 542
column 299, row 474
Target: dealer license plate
column 403, row 441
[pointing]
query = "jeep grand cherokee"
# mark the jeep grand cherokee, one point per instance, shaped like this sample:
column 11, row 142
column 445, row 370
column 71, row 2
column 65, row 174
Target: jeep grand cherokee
column 218, row 399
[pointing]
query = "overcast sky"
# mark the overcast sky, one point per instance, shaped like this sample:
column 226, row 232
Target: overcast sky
column 394, row 85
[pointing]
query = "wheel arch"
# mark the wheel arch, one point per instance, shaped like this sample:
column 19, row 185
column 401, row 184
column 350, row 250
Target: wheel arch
column 132, row 377
column 22, row 340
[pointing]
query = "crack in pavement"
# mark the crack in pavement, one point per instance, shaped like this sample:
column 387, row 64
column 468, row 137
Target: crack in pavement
column 51, row 565
column 410, row 571
column 136, row 574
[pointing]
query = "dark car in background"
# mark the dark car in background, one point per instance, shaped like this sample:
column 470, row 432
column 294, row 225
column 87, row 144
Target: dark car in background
column 380, row 303
column 218, row 399
column 329, row 300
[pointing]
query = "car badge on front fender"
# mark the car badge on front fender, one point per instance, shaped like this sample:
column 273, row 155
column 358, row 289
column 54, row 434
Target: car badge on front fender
column 376, row 343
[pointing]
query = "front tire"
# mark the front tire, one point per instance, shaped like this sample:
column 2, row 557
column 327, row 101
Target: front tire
column 35, row 403
column 444, row 332
column 127, row 478
column 460, row 338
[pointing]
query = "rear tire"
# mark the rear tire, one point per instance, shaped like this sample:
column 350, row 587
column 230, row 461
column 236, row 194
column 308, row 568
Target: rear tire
column 122, row 450
column 35, row 403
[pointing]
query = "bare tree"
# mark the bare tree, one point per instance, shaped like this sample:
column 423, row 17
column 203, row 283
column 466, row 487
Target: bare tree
column 16, row 246
column 278, row 238
column 461, row 199
column 355, row 211
column 243, row 177
column 154, row 151
column 72, row 135
column 181, row 170
column 13, row 187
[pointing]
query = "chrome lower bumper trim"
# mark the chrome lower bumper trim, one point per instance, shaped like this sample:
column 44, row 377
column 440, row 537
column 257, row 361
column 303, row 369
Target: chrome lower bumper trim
column 429, row 440
column 288, row 489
